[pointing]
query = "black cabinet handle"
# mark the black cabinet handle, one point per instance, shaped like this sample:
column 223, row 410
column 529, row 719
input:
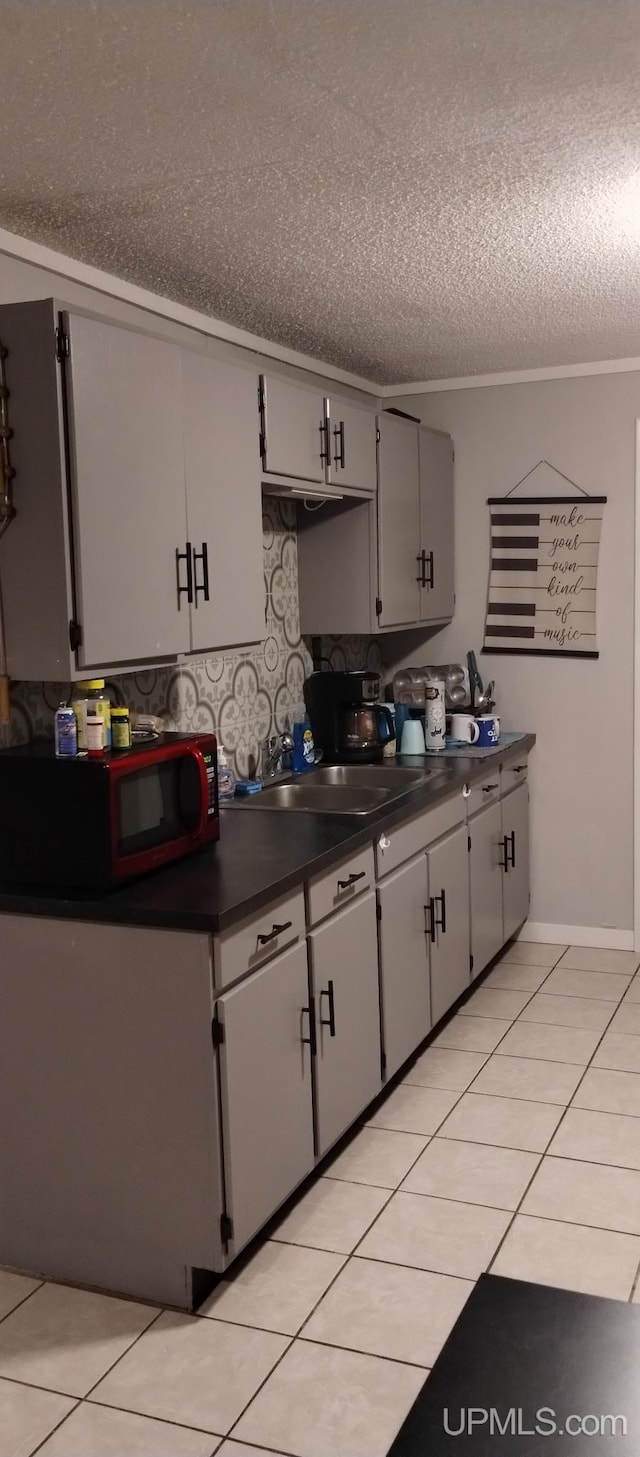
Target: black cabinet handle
column 430, row 919
column 519, row 768
column 512, row 838
column 338, row 444
column 442, row 923
column 276, row 930
column 311, row 1040
column 505, row 849
column 487, row 788
column 430, row 577
column 325, row 442
column 421, row 560
column 184, row 556
column 203, row 586
column 355, row 875
column 329, row 1021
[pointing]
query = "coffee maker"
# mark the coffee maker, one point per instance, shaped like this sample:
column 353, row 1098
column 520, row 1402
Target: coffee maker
column 349, row 725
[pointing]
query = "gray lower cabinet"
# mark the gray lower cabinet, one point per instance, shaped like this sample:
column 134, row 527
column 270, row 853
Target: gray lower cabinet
column 515, row 853
column 437, row 597
column 448, row 917
column 344, row 978
column 404, row 963
column 486, row 874
column 265, row 1086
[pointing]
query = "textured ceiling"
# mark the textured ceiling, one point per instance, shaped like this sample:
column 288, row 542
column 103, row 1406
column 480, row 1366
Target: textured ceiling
column 408, row 189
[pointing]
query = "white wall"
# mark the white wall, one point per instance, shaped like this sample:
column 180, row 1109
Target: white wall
column 582, row 766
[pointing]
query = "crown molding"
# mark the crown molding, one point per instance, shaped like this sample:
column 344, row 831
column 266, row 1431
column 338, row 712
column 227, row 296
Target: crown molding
column 71, row 268
column 510, row 376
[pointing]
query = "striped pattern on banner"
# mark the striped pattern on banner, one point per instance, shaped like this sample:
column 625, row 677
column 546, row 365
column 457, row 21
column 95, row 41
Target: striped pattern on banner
column 543, row 578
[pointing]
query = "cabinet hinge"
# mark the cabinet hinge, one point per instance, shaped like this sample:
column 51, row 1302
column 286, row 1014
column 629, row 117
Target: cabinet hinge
column 469, row 843
column 226, row 1228
column 75, row 635
column 217, row 1032
column 378, row 607
column 63, row 347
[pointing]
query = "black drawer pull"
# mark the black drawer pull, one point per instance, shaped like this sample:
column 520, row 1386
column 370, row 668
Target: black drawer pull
column 329, row 1021
column 310, row 1041
column 519, row 768
column 421, row 560
column 487, row 788
column 442, row 923
column 276, row 930
column 505, row 850
column 430, row 582
column 355, row 875
column 512, row 838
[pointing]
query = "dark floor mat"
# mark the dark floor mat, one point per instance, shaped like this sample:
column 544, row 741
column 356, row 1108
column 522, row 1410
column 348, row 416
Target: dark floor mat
column 524, row 1365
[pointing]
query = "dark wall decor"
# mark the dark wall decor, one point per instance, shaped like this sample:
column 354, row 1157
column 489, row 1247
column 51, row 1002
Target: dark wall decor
column 544, row 572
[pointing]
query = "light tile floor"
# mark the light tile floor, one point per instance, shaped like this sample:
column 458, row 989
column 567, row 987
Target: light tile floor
column 512, row 1144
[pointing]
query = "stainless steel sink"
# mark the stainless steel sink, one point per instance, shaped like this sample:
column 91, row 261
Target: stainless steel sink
column 355, row 789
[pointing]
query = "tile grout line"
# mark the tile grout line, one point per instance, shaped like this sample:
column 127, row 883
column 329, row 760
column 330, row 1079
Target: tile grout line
column 546, row 1151
column 58, row 1425
column 25, row 1298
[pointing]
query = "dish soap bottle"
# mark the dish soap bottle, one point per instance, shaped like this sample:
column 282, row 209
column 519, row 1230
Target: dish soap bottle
column 226, row 779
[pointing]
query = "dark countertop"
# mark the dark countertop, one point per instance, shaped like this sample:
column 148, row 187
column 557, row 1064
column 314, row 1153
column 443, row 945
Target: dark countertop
column 261, row 855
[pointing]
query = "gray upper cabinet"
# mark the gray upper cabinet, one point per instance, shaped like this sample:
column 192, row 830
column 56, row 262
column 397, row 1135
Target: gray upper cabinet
column 404, row 963
column 436, row 526
column 448, row 863
column 344, row 978
column 295, row 439
column 398, row 521
column 224, row 508
column 485, row 868
column 127, row 480
column 515, row 854
column 265, row 1085
column 352, row 444
column 137, row 465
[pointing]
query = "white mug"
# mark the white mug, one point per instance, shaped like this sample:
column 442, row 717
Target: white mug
column 465, row 728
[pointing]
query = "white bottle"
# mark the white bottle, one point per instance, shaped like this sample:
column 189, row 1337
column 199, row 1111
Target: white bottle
column 226, row 779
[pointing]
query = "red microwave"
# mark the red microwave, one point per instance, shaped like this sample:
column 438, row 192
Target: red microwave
column 94, row 823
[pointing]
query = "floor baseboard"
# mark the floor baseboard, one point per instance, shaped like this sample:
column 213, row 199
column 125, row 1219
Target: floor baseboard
column 606, row 938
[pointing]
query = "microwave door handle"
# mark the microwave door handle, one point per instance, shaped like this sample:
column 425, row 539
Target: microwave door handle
column 198, row 755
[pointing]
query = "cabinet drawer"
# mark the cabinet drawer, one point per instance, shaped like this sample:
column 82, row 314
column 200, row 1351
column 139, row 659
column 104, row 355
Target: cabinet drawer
column 336, row 887
column 513, row 774
column 247, row 945
column 484, row 791
column 405, row 840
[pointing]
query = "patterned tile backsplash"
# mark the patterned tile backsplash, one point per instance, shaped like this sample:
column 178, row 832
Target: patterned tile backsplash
column 244, row 697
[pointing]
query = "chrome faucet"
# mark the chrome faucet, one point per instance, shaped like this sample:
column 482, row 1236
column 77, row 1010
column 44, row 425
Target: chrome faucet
column 273, row 752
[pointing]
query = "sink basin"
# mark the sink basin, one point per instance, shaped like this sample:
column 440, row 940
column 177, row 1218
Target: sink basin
column 355, row 789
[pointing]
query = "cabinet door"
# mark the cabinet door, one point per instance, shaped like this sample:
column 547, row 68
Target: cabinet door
column 398, row 521
column 448, row 864
column 353, row 445
column 265, row 1078
column 129, row 511
column 436, row 525
column 224, row 502
column 344, row 976
column 294, row 430
column 404, row 963
column 485, row 869
column 515, row 880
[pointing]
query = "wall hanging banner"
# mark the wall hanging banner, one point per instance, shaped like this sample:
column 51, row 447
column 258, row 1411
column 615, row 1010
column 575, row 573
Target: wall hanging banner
column 543, row 578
